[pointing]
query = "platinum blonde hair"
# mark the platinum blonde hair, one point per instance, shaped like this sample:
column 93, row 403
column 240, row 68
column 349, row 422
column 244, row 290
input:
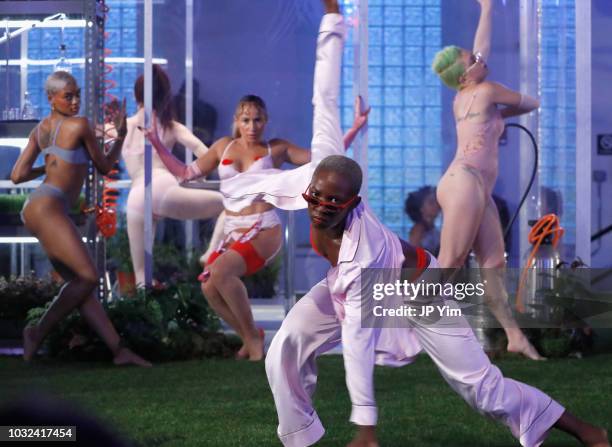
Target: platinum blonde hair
column 57, row 81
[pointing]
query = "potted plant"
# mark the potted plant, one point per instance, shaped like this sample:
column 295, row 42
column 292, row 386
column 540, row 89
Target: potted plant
column 118, row 254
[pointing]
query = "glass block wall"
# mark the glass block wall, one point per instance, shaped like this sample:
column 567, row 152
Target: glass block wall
column 43, row 46
column 122, row 41
column 405, row 149
column 121, row 26
column 557, row 130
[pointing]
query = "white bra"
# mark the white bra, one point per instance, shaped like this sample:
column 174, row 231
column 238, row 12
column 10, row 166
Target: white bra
column 227, row 170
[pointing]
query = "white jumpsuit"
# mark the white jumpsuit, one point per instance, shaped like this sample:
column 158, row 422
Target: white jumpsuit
column 331, row 311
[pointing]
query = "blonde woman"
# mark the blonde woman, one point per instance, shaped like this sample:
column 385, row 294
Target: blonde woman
column 253, row 233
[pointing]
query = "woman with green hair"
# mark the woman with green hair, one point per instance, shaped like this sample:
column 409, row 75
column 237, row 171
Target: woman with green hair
column 471, row 220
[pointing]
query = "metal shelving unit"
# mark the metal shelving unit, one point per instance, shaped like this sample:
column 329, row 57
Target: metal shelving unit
column 92, row 13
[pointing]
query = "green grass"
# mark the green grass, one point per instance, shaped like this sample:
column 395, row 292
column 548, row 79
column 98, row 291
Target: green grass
column 228, row 403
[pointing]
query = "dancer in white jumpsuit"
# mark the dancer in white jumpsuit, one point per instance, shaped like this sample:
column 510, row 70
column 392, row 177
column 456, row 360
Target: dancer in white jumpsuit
column 348, row 234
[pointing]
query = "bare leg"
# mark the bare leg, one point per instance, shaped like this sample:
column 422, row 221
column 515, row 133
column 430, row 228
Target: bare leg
column 225, row 276
column 62, row 243
column 489, row 248
column 461, row 197
column 217, row 303
column 588, row 434
column 93, row 312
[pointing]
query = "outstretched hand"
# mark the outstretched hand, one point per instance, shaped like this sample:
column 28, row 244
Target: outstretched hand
column 484, row 2
column 115, row 113
column 360, row 116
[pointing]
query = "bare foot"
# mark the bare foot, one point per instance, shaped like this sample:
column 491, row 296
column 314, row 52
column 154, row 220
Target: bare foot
column 525, row 348
column 126, row 357
column 256, row 346
column 595, row 437
column 30, row 343
column 243, row 353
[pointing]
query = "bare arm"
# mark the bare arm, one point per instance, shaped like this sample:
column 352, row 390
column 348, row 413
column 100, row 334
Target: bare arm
column 515, row 102
column 186, row 138
column 23, row 170
column 300, row 156
column 482, row 40
column 360, row 118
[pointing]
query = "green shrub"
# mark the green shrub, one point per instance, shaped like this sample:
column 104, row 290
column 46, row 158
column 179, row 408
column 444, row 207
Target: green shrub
column 13, row 203
column 20, row 294
column 169, row 323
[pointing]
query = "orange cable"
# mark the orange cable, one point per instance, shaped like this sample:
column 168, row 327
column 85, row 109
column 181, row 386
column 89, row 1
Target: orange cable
column 546, row 226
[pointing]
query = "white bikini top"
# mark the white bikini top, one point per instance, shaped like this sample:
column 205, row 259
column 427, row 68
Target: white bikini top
column 227, row 170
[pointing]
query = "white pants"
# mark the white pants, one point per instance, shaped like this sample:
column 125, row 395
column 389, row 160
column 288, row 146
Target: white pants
column 312, row 327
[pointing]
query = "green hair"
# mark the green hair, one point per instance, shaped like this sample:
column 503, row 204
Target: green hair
column 448, row 66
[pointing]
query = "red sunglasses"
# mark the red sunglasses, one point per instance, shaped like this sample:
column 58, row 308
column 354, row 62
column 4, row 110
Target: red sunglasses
column 329, row 205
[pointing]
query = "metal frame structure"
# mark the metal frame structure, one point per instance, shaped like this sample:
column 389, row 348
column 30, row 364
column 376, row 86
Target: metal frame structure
column 530, row 11
column 529, row 83
column 584, row 130
column 92, row 11
column 148, row 158
column 360, row 85
column 190, row 224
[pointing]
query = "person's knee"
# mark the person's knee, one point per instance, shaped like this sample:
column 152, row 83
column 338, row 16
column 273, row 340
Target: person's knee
column 493, row 262
column 453, row 259
column 88, row 280
column 218, row 274
column 293, row 333
column 209, row 291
